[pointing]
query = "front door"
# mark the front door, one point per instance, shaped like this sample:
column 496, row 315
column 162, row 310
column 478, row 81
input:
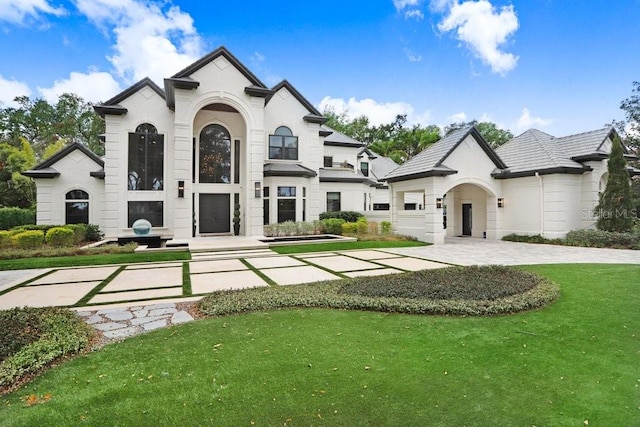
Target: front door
column 215, row 213
column 466, row 219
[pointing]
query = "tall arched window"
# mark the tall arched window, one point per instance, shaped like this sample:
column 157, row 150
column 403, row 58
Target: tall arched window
column 283, row 145
column 146, row 159
column 77, row 207
column 215, row 155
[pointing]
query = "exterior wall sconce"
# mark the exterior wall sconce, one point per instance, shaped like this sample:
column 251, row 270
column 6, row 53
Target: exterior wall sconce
column 257, row 189
column 439, row 203
column 181, row 189
column 500, row 202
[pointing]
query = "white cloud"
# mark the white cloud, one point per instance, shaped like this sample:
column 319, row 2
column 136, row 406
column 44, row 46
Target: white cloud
column 414, row 14
column 484, row 29
column 17, row 11
column 94, row 87
column 527, row 121
column 410, row 9
column 150, row 41
column 377, row 113
column 458, row 117
column 9, row 89
column 411, row 56
column 401, row 4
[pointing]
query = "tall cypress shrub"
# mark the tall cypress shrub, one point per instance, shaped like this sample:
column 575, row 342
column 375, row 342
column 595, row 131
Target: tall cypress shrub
column 615, row 211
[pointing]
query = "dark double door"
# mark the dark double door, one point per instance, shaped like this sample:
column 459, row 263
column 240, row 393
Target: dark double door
column 215, row 213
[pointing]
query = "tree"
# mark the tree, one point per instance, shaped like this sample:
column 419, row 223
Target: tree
column 489, row 131
column 631, row 128
column 43, row 124
column 16, row 190
column 615, row 209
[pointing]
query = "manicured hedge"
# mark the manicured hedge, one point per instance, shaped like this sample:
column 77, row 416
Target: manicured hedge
column 585, row 238
column 332, row 225
column 61, row 236
column 347, row 216
column 13, row 217
column 33, row 337
column 513, row 291
column 29, row 239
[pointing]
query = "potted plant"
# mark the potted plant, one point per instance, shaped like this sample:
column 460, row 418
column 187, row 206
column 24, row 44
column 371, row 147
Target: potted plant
column 236, row 219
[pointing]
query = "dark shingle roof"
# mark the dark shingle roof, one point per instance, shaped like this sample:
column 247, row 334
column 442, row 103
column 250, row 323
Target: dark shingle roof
column 45, row 169
column 339, row 138
column 287, row 169
column 344, row 175
column 429, row 162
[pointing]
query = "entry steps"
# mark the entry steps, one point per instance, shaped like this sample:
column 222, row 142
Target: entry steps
column 228, row 254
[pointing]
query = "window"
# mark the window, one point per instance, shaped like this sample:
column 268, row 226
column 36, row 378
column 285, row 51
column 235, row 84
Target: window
column 151, row 211
column 304, row 203
column 286, row 204
column 328, row 161
column 410, row 206
column 215, row 155
column 381, row 206
column 333, row 202
column 146, row 159
column 364, row 168
column 77, row 207
column 283, row 145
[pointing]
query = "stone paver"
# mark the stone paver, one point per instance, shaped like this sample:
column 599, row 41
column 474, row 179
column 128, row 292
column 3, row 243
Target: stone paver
column 274, row 261
column 411, row 264
column 153, row 265
column 142, row 278
column 369, row 254
column 136, row 295
column 216, row 266
column 87, row 274
column 297, row 275
column 342, row 263
column 46, row 295
column 379, row 272
column 210, row 282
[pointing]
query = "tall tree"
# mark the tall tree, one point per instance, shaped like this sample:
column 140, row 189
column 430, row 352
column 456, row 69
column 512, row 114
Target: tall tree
column 16, row 190
column 489, row 131
column 616, row 207
column 631, row 107
column 43, row 124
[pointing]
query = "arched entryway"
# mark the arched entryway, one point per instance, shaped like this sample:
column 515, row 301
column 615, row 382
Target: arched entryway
column 218, row 153
column 469, row 210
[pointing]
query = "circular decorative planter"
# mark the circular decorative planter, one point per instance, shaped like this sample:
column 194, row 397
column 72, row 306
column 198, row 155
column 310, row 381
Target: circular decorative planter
column 141, row 227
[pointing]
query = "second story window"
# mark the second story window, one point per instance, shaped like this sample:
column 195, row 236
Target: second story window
column 283, row 145
column 146, row 159
column 364, row 168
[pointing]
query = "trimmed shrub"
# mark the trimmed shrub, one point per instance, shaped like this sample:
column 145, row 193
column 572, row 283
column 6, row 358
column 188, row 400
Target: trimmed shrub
column 5, row 239
column 336, row 294
column 333, row 225
column 37, row 336
column 374, row 228
column 13, row 217
column 362, row 225
column 29, row 239
column 349, row 228
column 61, row 236
column 603, row 239
column 385, row 227
column 347, row 216
column 93, row 233
column 525, row 239
column 79, row 232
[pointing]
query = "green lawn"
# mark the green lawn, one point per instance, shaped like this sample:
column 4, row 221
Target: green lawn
column 344, row 246
column 571, row 363
column 83, row 260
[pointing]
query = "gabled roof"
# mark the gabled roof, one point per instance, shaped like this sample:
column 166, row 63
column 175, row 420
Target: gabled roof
column 344, row 175
column 339, row 139
column 45, row 169
column 535, row 151
column 588, row 145
column 429, row 162
column 288, row 169
column 314, row 115
column 112, row 106
column 381, row 166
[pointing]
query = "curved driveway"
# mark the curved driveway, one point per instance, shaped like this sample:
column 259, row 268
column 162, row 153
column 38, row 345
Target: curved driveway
column 470, row 251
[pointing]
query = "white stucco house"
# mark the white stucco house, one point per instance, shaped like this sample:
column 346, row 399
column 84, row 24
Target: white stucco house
column 182, row 157
column 215, row 136
column 534, row 184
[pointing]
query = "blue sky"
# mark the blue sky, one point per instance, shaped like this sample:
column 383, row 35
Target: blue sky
column 561, row 66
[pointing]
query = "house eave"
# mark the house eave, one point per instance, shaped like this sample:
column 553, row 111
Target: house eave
column 506, row 174
column 342, row 144
column 312, row 118
column 112, row 110
column 42, row 173
column 426, row 174
column 257, row 91
column 173, row 83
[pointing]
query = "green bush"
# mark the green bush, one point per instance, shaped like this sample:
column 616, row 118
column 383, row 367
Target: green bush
column 525, row 239
column 349, row 228
column 347, row 216
column 60, row 236
column 93, row 233
column 5, row 239
column 42, row 335
column 362, row 225
column 603, row 239
column 13, row 217
column 385, row 227
column 335, row 294
column 29, row 239
column 333, row 225
column 79, row 232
